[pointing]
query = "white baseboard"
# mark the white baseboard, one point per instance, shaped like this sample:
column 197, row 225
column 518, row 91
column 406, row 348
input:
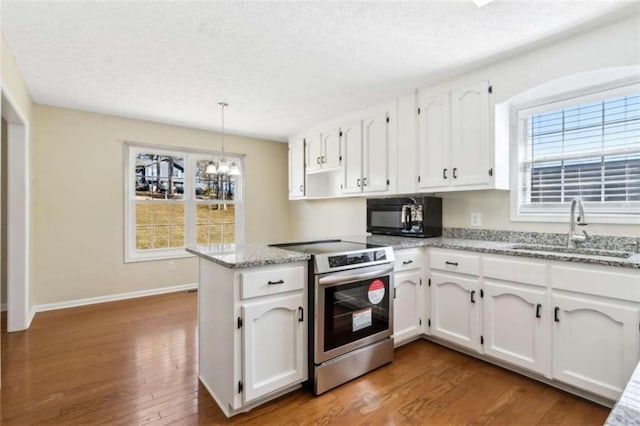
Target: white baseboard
column 111, row 298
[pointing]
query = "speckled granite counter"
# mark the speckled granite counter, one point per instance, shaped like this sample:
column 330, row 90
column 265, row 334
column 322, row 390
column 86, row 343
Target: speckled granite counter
column 501, row 247
column 482, row 241
column 247, row 256
column 627, row 409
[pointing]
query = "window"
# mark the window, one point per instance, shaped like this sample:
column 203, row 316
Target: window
column 171, row 203
column 587, row 146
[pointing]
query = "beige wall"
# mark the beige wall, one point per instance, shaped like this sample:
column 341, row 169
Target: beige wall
column 581, row 53
column 78, row 204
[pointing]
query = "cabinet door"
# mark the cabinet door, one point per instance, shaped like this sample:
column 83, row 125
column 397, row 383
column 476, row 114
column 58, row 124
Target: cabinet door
column 273, row 345
column 455, row 313
column 407, row 306
column 375, row 153
column 595, row 343
column 330, row 157
column 351, row 145
column 471, row 150
column 313, row 151
column 514, row 325
column 296, row 168
column 434, row 142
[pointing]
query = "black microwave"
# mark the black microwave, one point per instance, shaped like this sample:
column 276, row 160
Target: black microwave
column 406, row 216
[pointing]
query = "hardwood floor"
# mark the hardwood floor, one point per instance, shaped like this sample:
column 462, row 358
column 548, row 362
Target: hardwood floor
column 134, row 362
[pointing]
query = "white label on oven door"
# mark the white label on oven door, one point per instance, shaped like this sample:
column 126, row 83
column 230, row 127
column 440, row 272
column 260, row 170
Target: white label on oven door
column 376, row 291
column 361, row 319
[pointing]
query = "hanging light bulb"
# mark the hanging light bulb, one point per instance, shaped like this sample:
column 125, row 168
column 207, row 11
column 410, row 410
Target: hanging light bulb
column 223, row 166
column 234, row 170
column 211, row 169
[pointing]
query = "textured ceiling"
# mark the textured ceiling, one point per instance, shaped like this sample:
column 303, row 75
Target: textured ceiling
column 280, row 65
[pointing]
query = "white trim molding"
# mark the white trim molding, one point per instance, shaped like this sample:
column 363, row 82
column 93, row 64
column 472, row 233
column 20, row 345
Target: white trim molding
column 113, row 297
column 18, row 213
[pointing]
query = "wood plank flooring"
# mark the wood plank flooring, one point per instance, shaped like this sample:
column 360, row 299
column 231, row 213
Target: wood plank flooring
column 134, row 362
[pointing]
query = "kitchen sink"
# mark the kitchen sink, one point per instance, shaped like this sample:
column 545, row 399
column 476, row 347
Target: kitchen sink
column 568, row 250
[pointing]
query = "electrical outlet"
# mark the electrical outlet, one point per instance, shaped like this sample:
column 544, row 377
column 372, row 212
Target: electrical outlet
column 476, row 219
column 172, row 266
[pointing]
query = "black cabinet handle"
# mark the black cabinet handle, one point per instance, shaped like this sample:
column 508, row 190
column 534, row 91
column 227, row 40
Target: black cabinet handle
column 318, row 160
column 276, row 282
column 394, row 293
column 454, row 173
column 407, row 262
column 358, row 183
column 364, row 182
column 451, row 263
column 555, row 314
column 473, row 293
column 444, row 173
column 301, row 188
column 538, row 306
column 323, row 159
column 300, row 314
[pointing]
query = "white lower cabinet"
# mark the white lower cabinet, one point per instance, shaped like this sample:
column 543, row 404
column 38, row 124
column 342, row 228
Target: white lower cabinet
column 595, row 342
column 575, row 324
column 410, row 297
column 252, row 333
column 455, row 313
column 273, row 344
column 514, row 324
column 408, row 309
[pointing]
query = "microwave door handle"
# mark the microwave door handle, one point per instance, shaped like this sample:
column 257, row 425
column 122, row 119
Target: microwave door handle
column 406, row 218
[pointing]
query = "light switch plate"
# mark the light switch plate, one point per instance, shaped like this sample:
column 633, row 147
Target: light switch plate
column 476, row 219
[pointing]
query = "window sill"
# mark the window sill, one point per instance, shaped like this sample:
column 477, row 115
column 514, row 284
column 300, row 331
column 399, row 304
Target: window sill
column 630, row 219
column 147, row 257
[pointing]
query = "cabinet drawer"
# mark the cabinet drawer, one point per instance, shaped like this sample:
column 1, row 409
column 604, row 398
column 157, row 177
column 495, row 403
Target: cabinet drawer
column 616, row 283
column 455, row 261
column 272, row 281
column 408, row 259
column 515, row 270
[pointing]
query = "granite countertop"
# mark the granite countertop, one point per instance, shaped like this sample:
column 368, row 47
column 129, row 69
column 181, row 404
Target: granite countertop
column 482, row 241
column 246, row 256
column 627, row 409
column 502, row 247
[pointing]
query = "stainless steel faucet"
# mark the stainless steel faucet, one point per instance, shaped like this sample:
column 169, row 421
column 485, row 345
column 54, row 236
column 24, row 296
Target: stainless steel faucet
column 575, row 237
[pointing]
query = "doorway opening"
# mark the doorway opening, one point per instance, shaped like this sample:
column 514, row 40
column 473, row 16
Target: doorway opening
column 14, row 211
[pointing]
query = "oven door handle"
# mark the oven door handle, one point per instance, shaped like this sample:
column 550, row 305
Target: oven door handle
column 349, row 276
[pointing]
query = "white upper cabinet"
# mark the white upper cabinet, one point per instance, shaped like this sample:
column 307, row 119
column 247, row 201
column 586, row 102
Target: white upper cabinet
column 296, row 168
column 323, row 150
column 375, row 152
column 351, row 143
column 456, row 144
column 434, row 141
column 471, row 148
column 366, row 148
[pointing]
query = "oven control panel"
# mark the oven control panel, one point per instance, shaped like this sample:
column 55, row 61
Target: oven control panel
column 348, row 259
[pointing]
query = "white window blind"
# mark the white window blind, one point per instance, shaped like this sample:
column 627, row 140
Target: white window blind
column 587, row 147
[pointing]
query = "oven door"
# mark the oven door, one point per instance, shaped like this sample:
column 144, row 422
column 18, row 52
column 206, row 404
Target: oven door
column 353, row 308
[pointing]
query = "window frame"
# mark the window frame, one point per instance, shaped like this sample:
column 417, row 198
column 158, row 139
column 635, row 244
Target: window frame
column 191, row 156
column 613, row 213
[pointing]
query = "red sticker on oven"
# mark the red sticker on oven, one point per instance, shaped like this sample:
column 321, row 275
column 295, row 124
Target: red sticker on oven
column 376, row 291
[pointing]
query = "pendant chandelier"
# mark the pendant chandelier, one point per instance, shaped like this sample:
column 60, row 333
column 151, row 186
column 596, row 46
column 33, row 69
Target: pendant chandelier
column 225, row 166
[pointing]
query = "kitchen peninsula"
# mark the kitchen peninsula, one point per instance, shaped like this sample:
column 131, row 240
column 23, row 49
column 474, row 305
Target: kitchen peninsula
column 553, row 302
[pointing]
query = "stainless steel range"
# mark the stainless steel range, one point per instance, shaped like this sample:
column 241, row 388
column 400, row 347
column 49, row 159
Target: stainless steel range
column 351, row 302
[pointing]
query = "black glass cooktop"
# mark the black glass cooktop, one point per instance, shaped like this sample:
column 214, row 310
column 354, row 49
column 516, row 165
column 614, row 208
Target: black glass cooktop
column 325, row 246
